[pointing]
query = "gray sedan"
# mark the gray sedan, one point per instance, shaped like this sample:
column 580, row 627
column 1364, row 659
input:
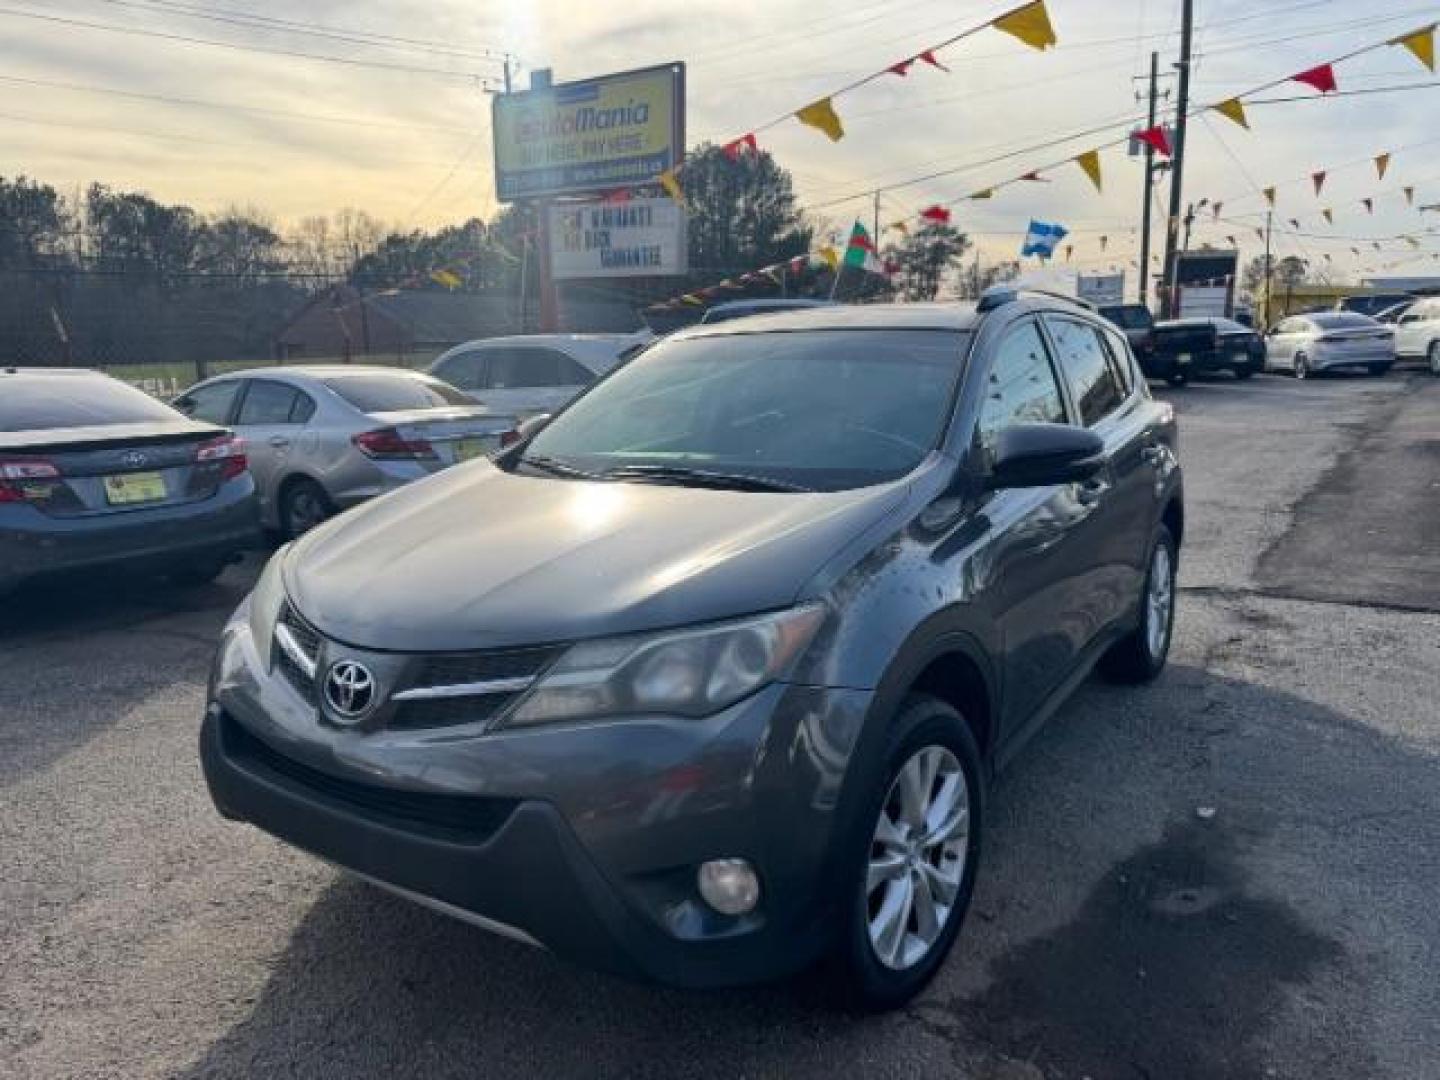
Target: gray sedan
column 324, row 438
column 1329, row 341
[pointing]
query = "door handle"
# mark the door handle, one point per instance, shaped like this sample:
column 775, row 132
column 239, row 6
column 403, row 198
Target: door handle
column 279, row 441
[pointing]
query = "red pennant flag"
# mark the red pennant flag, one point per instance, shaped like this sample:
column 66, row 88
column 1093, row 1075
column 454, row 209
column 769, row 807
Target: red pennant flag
column 937, row 214
column 929, row 57
column 1156, row 139
column 902, row 68
column 1322, row 78
column 732, row 149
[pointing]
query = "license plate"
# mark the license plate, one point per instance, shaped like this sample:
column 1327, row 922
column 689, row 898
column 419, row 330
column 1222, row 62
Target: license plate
column 137, row 487
column 1183, row 359
column 1239, row 358
column 465, row 449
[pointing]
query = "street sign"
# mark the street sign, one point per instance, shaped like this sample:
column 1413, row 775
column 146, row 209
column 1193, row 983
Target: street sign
column 1102, row 290
column 608, row 132
column 637, row 238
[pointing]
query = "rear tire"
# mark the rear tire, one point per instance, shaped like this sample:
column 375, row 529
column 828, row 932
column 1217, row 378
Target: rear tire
column 1245, row 371
column 1379, row 370
column 1434, row 357
column 303, row 505
column 1302, row 367
column 894, row 878
column 1140, row 655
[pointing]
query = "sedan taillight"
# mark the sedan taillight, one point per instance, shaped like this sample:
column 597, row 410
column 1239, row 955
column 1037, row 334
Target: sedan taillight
column 24, row 479
column 229, row 451
column 387, row 444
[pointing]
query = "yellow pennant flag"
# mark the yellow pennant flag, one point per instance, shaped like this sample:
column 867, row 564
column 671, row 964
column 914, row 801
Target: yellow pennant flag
column 1411, row 241
column 900, row 227
column 1329, row 215
column 831, row 256
column 1090, row 162
column 1270, row 195
column 986, row 193
column 1421, row 44
column 671, row 185
column 1233, row 109
column 447, row 278
column 1382, row 162
column 1030, row 23
column 822, row 115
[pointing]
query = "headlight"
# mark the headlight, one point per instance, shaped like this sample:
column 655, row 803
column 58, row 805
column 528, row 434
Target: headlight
column 265, row 601
column 676, row 673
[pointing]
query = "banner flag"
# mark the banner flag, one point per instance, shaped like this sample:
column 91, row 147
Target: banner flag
column 860, row 251
column 1156, row 139
column 1295, row 224
column 1369, row 205
column 1041, row 238
column 671, row 185
column 1030, row 23
column 1215, row 209
column 1421, row 44
column 732, row 149
column 831, row 256
column 1322, row 78
column 938, row 214
column 1233, row 109
column 1270, row 195
column 447, row 278
column 1319, row 179
column 929, row 57
column 822, row 116
column 1329, row 215
column 985, row 193
column 901, row 67
column 1382, row 162
column 1104, row 242
column 1090, row 162
column 1035, row 177
column 900, row 227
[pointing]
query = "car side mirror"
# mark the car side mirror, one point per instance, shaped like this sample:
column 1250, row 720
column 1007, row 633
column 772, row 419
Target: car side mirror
column 1037, row 455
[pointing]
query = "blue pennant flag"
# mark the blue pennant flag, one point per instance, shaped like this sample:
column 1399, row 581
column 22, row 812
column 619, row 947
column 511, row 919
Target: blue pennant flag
column 1041, row 238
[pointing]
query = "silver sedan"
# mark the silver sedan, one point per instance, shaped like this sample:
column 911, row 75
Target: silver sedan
column 324, row 438
column 1329, row 341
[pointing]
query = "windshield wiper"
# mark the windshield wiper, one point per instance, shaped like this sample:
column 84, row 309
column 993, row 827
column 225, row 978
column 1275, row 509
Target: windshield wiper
column 555, row 467
column 679, row 474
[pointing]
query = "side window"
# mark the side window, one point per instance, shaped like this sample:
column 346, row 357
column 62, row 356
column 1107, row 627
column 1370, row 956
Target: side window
column 210, row 403
column 1021, row 387
column 1087, row 368
column 526, row 366
column 268, row 403
column 464, row 370
column 1121, row 358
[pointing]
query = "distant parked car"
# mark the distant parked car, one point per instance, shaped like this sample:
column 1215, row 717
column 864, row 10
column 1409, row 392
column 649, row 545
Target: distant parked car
column 1417, row 333
column 1136, row 323
column 324, row 438
column 1232, row 348
column 94, row 472
column 1329, row 341
column 740, row 309
column 1391, row 315
column 1176, row 346
column 1373, row 303
column 533, row 373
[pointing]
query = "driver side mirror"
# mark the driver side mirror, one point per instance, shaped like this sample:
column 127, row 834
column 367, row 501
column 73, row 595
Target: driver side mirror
column 1038, row 455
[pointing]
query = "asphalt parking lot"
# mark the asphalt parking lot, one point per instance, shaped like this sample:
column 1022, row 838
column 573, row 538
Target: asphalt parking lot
column 1230, row 873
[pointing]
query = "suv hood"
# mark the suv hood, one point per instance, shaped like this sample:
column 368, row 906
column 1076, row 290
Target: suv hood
column 478, row 558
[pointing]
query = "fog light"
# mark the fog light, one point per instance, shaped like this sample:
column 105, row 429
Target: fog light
column 729, row 885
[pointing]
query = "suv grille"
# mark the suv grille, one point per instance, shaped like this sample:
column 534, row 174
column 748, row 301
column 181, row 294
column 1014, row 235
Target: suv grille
column 308, row 639
column 451, row 669
column 468, row 818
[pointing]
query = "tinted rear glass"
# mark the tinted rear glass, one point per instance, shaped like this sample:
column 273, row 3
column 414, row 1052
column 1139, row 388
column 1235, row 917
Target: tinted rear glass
column 38, row 402
column 1341, row 320
column 386, row 392
column 1131, row 317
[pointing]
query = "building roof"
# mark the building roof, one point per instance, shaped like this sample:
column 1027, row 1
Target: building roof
column 430, row 316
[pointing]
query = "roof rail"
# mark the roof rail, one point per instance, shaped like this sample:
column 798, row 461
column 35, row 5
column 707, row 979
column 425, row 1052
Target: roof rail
column 1077, row 301
column 997, row 296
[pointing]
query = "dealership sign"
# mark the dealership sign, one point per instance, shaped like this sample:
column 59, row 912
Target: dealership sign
column 640, row 237
column 1102, row 290
column 609, row 132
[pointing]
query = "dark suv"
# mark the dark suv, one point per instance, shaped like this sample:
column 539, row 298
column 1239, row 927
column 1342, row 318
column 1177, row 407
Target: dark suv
column 708, row 677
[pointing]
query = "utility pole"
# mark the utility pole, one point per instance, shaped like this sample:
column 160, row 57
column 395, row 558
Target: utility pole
column 1189, row 224
column 1149, row 186
column 875, row 233
column 1269, row 270
column 507, row 73
column 1177, row 162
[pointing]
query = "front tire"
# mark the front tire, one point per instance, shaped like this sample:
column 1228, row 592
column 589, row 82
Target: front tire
column 1302, row 367
column 1434, row 357
column 1140, row 655
column 303, row 505
column 913, row 858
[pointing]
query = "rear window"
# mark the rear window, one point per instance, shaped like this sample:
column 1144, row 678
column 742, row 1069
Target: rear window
column 1130, row 317
column 38, row 402
column 1341, row 320
column 386, row 392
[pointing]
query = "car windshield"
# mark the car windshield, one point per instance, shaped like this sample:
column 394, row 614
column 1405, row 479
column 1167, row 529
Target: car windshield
column 393, row 392
column 37, row 403
column 1341, row 320
column 1130, row 317
column 821, row 410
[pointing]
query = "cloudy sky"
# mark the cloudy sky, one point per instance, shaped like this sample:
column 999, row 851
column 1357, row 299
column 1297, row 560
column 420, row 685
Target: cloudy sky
column 397, row 121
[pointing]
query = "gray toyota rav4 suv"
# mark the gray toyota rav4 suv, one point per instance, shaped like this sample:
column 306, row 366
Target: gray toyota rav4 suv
column 705, row 679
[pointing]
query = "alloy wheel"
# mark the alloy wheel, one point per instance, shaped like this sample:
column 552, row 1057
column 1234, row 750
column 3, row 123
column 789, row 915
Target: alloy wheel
column 1159, row 601
column 917, row 857
column 306, row 509
column 1302, row 367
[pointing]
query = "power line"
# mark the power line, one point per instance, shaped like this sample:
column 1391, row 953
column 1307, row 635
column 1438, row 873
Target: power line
column 263, row 49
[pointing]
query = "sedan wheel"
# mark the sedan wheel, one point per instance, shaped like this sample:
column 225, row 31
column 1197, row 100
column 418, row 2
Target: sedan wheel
column 917, row 857
column 303, row 505
column 1302, row 367
column 1435, row 358
column 1159, row 602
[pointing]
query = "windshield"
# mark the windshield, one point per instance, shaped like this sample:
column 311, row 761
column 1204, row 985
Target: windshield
column 824, row 410
column 1341, row 320
column 1131, row 317
column 387, row 392
column 36, row 403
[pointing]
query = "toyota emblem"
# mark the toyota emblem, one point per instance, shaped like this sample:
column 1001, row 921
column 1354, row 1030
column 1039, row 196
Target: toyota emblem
column 349, row 689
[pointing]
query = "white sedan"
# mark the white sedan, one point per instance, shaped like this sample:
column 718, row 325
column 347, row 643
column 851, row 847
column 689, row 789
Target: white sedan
column 1329, row 341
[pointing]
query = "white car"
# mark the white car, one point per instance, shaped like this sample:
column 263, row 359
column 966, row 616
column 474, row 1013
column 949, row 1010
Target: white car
column 1329, row 341
column 528, row 374
column 1417, row 333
